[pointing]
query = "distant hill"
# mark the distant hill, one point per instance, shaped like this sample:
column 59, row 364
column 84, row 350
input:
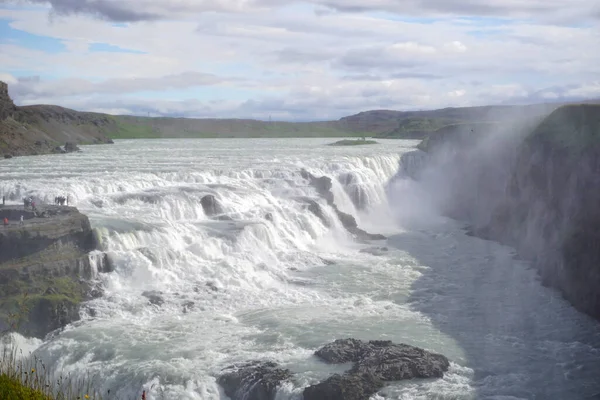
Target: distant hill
column 147, row 127
column 418, row 124
column 46, row 129
column 40, row 129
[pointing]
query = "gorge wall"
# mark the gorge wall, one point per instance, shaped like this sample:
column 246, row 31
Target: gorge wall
column 46, row 270
column 535, row 186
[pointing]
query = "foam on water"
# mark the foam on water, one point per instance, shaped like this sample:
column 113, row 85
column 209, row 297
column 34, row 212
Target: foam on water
column 277, row 287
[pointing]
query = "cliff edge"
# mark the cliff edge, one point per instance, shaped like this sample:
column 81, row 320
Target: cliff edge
column 42, row 129
column 45, row 268
column 550, row 210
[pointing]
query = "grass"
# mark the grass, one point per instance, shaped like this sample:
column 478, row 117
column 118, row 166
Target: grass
column 28, row 378
column 352, row 142
column 419, row 126
column 573, row 127
column 129, row 127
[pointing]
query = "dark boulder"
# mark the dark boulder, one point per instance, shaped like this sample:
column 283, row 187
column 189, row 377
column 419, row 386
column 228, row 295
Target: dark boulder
column 253, row 381
column 154, row 297
column 343, row 351
column 8, row 156
column 346, row 387
column 211, row 205
column 71, row 147
column 349, row 222
column 374, row 363
column 317, row 210
column 322, row 184
column 393, row 362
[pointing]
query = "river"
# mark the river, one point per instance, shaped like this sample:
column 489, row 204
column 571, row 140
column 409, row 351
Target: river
column 276, row 283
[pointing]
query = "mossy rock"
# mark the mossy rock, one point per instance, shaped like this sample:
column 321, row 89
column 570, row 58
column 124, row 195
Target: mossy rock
column 41, row 305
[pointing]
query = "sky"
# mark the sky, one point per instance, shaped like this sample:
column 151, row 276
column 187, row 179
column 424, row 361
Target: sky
column 297, row 60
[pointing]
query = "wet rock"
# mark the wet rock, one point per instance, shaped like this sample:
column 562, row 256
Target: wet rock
column 51, row 313
column 211, row 205
column 212, row 286
column 269, row 217
column 374, row 363
column 154, row 297
column 349, row 222
column 71, row 147
column 323, row 186
column 253, row 381
column 58, row 150
column 393, row 362
column 376, row 251
column 317, row 210
column 188, row 306
column 344, row 387
column 8, row 156
column 342, row 351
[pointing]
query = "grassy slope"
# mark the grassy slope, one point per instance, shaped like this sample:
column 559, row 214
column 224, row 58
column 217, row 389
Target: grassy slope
column 572, row 127
column 129, row 127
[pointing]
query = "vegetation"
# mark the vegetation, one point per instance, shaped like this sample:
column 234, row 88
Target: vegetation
column 25, row 378
column 129, row 127
column 353, row 142
column 573, row 127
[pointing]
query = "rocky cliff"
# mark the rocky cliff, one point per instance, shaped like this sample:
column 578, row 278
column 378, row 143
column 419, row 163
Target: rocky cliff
column 45, row 268
column 534, row 186
column 43, row 129
column 551, row 207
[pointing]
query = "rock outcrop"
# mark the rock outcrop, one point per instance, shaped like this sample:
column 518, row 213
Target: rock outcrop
column 211, row 205
column 33, row 130
column 323, row 186
column 45, row 269
column 374, row 363
column 256, row 380
column 7, row 107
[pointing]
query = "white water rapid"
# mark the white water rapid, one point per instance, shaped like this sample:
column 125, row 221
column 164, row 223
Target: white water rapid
column 275, row 283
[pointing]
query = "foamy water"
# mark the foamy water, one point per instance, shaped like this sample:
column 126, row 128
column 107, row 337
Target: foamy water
column 277, row 288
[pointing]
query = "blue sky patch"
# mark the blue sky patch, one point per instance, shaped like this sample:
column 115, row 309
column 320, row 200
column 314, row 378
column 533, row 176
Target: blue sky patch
column 109, row 48
column 9, row 35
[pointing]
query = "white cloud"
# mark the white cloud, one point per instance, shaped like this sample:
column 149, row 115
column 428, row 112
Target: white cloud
column 261, row 57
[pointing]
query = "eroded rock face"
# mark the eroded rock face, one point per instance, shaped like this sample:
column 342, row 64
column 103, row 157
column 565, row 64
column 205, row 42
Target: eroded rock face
column 323, row 186
column 374, row 363
column 211, row 205
column 45, row 265
column 257, row 380
column 346, row 387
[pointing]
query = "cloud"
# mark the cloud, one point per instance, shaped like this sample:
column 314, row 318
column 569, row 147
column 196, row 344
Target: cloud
column 33, row 87
column 256, row 58
column 150, row 10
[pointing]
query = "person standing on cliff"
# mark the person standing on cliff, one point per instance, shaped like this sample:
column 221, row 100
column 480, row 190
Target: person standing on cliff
column 22, row 223
column 5, row 222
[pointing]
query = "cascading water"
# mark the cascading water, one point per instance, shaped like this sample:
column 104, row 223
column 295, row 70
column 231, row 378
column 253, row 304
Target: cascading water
column 267, row 279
